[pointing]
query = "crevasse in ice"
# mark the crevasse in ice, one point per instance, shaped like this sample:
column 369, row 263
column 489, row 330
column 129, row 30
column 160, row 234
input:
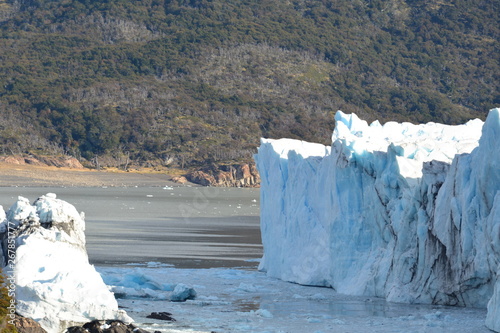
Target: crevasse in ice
column 406, row 212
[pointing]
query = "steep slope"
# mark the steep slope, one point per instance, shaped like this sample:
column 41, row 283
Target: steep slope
column 181, row 82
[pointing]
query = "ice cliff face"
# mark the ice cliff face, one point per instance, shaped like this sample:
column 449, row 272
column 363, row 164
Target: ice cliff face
column 55, row 284
column 406, row 212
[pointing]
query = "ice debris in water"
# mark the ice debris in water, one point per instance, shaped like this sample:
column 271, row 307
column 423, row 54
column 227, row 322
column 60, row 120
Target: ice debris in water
column 182, row 293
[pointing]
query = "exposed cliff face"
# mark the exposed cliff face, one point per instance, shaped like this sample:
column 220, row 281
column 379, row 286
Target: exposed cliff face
column 239, row 175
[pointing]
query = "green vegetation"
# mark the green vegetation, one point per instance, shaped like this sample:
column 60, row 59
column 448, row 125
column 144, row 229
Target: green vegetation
column 4, row 304
column 186, row 82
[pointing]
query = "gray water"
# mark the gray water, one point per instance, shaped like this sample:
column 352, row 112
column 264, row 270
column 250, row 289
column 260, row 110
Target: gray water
column 189, row 227
column 198, row 227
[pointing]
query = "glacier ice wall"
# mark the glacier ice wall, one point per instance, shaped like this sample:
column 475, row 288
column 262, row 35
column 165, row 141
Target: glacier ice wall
column 406, row 212
column 55, row 284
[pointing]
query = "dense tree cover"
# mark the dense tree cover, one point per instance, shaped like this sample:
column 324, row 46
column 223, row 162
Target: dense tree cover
column 189, row 81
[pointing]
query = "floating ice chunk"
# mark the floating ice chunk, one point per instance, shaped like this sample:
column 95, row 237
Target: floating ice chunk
column 156, row 264
column 313, row 320
column 246, row 287
column 182, row 293
column 434, row 316
column 264, row 313
column 136, row 281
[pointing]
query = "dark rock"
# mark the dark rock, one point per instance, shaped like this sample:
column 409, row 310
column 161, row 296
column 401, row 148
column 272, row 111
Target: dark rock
column 93, row 326
column 106, row 326
column 76, row 329
column 161, row 316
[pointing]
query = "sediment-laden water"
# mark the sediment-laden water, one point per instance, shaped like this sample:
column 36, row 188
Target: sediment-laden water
column 146, row 240
column 184, row 226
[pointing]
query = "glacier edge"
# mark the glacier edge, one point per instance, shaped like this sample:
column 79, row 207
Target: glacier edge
column 406, row 212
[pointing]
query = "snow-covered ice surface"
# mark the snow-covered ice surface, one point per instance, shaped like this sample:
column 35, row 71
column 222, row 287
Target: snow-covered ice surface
column 405, row 212
column 243, row 300
column 55, row 284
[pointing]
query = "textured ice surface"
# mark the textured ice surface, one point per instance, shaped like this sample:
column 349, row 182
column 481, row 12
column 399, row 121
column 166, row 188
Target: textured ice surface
column 405, row 212
column 55, row 284
column 237, row 300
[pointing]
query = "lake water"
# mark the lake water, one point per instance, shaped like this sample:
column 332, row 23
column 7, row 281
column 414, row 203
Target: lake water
column 209, row 238
column 184, row 226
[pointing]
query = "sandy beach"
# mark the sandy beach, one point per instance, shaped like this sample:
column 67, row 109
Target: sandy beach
column 42, row 176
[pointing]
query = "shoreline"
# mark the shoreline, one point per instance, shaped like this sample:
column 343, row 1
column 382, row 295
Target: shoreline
column 14, row 175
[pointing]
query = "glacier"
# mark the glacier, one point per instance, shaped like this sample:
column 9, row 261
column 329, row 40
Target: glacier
column 410, row 213
column 54, row 282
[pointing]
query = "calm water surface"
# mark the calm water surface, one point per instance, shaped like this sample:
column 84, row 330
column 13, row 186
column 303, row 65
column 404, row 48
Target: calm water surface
column 198, row 227
column 184, row 226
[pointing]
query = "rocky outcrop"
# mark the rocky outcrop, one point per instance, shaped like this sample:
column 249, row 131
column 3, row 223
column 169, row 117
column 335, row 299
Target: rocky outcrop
column 179, row 179
column 60, row 162
column 167, row 316
column 19, row 160
column 105, row 326
column 201, row 178
column 27, row 325
column 237, row 175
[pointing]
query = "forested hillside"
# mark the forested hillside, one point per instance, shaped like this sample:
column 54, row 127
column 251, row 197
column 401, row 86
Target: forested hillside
column 184, row 83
